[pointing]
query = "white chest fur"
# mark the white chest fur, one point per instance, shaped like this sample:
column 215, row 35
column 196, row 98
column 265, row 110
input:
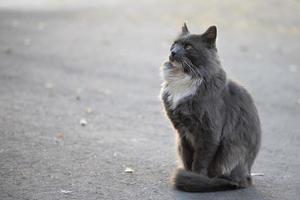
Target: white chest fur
column 179, row 85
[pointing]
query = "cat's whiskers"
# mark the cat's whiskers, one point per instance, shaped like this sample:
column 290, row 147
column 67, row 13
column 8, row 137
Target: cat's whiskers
column 185, row 63
column 191, row 66
column 197, row 73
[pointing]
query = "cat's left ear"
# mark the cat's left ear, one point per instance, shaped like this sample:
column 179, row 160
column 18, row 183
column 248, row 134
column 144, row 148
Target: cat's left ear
column 210, row 35
column 184, row 30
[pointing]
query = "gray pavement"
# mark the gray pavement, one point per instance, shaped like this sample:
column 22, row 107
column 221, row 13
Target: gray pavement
column 61, row 62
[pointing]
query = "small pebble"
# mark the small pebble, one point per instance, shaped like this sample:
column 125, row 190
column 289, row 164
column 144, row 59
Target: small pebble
column 129, row 170
column 65, row 191
column 83, row 122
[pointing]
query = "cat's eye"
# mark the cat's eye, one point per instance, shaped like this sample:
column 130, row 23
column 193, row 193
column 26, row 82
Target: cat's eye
column 188, row 46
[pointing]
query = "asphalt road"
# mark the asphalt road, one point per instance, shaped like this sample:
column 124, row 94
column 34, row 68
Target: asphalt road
column 62, row 62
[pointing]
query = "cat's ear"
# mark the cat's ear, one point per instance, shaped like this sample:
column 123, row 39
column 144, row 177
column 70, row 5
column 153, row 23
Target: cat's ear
column 184, row 30
column 210, row 35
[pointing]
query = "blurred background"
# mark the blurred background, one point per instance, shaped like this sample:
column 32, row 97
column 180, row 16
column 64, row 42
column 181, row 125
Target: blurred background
column 80, row 116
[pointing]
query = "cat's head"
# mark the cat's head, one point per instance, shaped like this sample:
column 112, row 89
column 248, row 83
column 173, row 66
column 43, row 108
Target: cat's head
column 194, row 52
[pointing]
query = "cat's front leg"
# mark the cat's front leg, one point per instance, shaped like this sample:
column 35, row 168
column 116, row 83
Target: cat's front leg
column 202, row 158
column 186, row 153
column 198, row 166
column 229, row 155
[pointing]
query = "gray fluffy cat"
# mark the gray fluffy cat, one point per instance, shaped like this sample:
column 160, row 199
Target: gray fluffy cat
column 218, row 127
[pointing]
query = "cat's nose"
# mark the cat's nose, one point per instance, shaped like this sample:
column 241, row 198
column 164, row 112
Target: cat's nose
column 172, row 55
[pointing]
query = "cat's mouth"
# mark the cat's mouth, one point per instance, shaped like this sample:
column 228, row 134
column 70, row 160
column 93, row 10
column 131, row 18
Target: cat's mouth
column 173, row 64
column 176, row 64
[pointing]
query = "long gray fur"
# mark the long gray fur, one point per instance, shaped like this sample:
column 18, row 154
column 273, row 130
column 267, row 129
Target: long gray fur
column 218, row 127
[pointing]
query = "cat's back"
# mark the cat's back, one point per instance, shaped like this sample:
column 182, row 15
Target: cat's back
column 236, row 94
column 240, row 108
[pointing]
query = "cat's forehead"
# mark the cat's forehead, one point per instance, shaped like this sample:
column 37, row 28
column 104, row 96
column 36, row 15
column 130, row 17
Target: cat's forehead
column 190, row 38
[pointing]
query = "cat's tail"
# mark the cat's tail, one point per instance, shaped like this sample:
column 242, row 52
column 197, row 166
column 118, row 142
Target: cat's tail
column 192, row 182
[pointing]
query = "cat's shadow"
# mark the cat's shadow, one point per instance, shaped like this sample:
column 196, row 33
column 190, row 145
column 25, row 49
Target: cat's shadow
column 250, row 193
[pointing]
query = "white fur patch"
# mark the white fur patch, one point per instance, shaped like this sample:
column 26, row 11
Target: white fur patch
column 178, row 84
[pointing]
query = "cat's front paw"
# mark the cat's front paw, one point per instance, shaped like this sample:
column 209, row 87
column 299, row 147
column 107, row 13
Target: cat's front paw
column 199, row 170
column 215, row 171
